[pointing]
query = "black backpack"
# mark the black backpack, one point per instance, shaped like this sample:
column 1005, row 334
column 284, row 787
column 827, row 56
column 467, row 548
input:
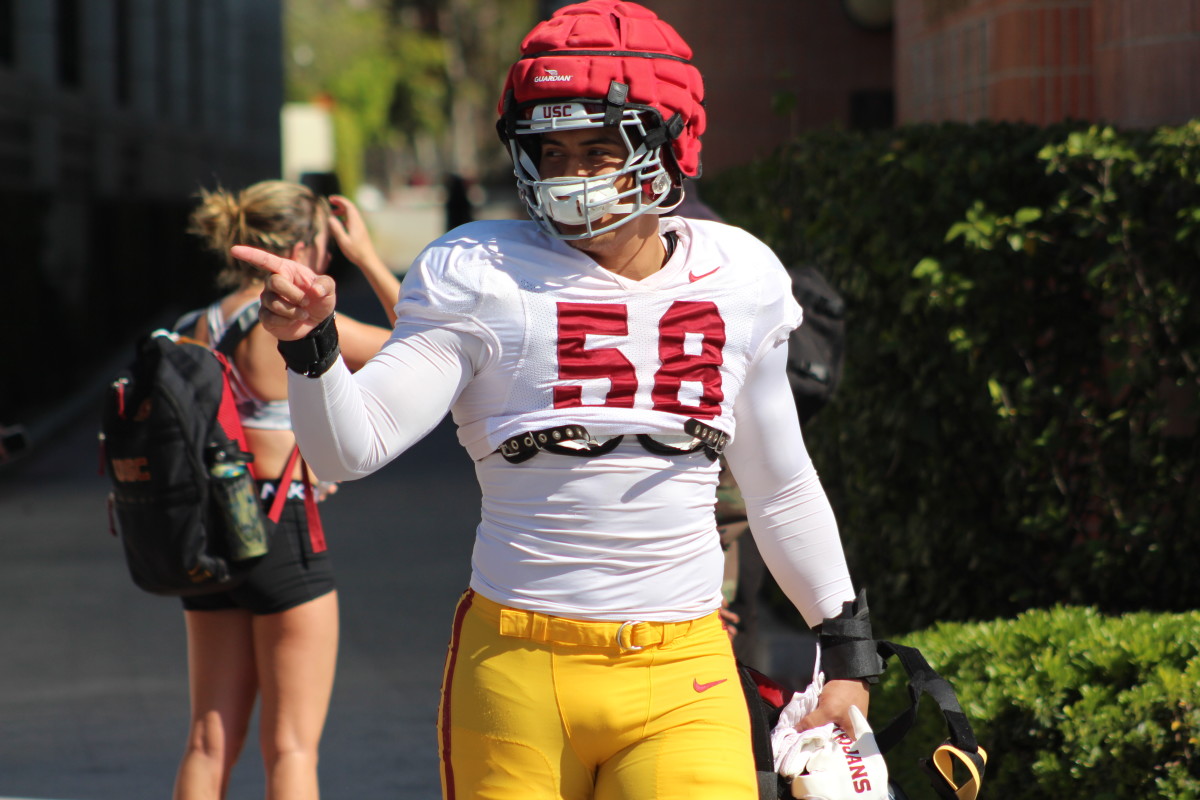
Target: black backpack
column 816, row 349
column 184, row 501
column 767, row 697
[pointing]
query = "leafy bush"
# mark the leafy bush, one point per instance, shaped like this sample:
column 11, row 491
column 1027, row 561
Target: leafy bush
column 1016, row 426
column 1067, row 702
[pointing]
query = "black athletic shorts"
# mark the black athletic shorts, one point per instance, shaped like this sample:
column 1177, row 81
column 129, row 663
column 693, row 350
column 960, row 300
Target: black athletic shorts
column 288, row 575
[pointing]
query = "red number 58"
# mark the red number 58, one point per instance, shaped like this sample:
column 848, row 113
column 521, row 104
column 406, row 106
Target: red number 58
column 577, row 362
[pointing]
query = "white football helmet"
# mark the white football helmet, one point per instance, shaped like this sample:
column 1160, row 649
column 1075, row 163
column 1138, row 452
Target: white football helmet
column 581, row 201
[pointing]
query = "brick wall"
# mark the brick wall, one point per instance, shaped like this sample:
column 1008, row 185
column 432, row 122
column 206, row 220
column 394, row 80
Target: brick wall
column 773, row 68
column 1133, row 62
column 1147, row 57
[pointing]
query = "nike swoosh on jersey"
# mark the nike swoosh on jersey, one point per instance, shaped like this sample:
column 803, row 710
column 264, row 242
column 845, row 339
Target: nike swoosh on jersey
column 704, row 687
column 693, row 277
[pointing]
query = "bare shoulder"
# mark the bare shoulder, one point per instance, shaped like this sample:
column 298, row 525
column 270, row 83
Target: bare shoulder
column 260, row 365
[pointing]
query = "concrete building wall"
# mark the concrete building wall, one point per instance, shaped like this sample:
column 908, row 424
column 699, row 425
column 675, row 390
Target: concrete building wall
column 113, row 113
column 170, row 94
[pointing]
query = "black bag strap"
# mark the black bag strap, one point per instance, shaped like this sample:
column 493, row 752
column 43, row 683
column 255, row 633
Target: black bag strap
column 961, row 744
column 759, row 718
column 762, row 720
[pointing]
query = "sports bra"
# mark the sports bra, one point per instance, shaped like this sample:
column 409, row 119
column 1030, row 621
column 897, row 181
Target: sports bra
column 267, row 415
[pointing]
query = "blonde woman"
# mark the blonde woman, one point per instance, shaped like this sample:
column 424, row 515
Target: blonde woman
column 276, row 635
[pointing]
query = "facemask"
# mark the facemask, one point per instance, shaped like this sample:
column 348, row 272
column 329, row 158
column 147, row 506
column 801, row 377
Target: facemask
column 578, row 201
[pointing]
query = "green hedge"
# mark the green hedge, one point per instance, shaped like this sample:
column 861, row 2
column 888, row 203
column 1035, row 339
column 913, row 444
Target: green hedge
column 1068, row 703
column 1017, row 422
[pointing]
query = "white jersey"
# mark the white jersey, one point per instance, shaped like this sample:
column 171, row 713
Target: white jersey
column 571, row 342
column 516, row 331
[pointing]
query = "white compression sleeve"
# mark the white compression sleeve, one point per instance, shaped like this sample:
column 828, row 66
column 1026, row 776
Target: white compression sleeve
column 789, row 514
column 349, row 425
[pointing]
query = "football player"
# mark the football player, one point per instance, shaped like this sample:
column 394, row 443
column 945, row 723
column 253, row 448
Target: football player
column 597, row 359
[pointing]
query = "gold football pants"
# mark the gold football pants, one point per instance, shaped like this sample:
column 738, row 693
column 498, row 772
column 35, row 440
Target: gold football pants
column 546, row 708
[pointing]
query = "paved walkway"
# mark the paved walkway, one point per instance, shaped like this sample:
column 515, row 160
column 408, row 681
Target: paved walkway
column 93, row 686
column 93, row 691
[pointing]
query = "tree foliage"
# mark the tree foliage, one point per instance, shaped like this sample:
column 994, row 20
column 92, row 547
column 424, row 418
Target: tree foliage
column 1017, row 422
column 414, row 78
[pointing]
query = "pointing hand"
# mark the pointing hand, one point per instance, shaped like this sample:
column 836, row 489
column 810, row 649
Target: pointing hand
column 295, row 299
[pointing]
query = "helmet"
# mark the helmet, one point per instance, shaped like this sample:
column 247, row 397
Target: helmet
column 604, row 63
column 828, row 763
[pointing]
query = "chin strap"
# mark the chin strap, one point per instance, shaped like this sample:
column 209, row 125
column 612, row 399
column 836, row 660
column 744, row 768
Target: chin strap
column 848, row 649
column 614, row 103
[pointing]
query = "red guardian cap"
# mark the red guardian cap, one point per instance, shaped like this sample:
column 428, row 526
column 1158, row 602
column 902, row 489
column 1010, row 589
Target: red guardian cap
column 617, row 54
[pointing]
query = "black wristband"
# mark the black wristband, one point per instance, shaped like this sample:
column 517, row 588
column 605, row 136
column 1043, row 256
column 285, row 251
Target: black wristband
column 848, row 649
column 315, row 353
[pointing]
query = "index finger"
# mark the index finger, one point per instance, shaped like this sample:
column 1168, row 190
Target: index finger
column 294, row 271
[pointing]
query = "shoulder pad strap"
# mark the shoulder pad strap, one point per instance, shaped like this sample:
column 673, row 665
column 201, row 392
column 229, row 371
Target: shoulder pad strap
column 941, row 771
column 922, row 679
column 961, row 749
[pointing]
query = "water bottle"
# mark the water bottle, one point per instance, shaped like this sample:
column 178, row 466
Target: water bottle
column 235, row 494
